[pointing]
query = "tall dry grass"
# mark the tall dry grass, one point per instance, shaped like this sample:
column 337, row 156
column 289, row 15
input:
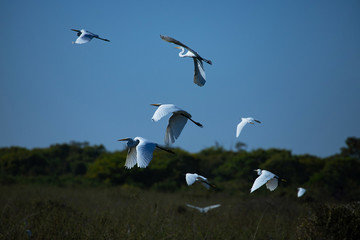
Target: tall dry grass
column 50, row 212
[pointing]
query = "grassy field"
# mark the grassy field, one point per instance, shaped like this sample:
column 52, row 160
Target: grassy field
column 50, row 212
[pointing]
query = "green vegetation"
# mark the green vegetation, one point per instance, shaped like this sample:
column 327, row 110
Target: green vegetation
column 336, row 177
column 51, row 212
column 78, row 191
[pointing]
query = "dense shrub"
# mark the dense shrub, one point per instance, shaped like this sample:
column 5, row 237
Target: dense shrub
column 334, row 177
column 331, row 222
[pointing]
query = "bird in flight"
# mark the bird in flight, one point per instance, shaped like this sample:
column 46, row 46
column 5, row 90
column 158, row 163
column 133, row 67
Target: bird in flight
column 301, row 191
column 193, row 177
column 140, row 152
column 243, row 122
column 85, row 36
column 177, row 120
column 265, row 177
column 199, row 73
column 204, row 209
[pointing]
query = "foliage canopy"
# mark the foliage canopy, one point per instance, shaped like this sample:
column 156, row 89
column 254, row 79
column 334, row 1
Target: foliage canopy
column 335, row 177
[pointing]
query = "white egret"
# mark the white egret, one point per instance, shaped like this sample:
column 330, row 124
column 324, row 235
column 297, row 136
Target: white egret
column 199, row 73
column 140, row 152
column 176, row 122
column 301, row 191
column 243, row 122
column 86, row 36
column 204, row 209
column 267, row 177
column 193, row 177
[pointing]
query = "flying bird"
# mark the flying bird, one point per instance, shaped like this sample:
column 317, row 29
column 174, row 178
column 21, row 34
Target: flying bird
column 266, row 177
column 243, row 122
column 86, row 36
column 177, row 120
column 199, row 73
column 193, row 177
column 140, row 152
column 204, row 209
column 301, row 191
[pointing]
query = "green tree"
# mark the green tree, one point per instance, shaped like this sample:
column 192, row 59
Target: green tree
column 352, row 149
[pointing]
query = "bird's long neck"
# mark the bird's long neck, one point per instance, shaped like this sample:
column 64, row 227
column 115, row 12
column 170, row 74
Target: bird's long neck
column 181, row 54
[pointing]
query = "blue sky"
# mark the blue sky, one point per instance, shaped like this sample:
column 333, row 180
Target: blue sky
column 294, row 65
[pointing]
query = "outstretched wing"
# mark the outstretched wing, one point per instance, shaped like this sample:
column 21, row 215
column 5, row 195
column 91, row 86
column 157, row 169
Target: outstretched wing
column 192, row 206
column 131, row 158
column 204, row 182
column 211, row 207
column 272, row 184
column 145, row 151
column 199, row 73
column 84, row 38
column 261, row 180
column 176, row 124
column 163, row 110
column 173, row 40
column 239, row 127
column 190, row 178
column 301, row 192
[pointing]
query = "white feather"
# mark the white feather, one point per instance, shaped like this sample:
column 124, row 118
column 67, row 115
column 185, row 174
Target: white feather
column 144, row 151
column 176, row 123
column 301, row 191
column 240, row 126
column 204, row 209
column 131, row 158
column 193, row 177
column 163, row 110
column 190, row 178
column 272, row 184
column 140, row 152
column 85, row 37
column 264, row 177
column 199, row 73
column 243, row 122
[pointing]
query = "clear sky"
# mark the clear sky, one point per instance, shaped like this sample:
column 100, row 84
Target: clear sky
column 294, row 65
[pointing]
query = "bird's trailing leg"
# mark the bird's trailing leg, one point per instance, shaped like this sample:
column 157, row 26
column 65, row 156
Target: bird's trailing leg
column 197, row 123
column 165, row 149
column 281, row 179
column 207, row 61
column 107, row 40
column 211, row 185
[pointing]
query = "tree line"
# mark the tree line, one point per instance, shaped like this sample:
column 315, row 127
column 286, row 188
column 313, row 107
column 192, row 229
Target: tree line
column 336, row 177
